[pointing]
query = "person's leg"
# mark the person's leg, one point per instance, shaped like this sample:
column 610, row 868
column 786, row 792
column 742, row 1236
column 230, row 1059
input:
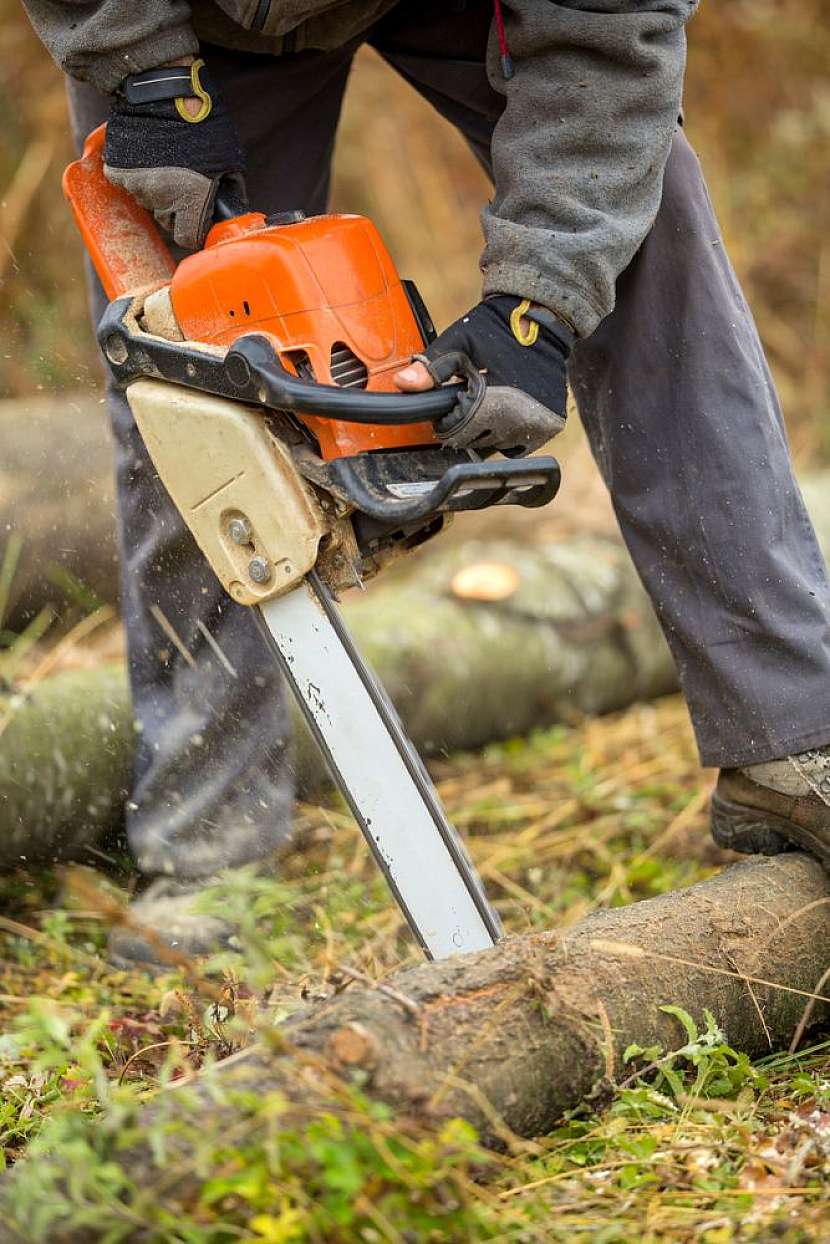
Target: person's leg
column 683, row 419
column 684, row 422
column 211, row 787
column 439, row 48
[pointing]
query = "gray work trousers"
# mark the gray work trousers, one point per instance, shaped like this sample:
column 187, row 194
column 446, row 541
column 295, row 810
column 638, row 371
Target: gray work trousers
column 682, row 417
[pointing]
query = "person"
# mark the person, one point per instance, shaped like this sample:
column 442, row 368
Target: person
column 602, row 264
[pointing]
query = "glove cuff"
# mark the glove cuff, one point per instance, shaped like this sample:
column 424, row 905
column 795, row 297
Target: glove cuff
column 552, row 324
column 510, row 305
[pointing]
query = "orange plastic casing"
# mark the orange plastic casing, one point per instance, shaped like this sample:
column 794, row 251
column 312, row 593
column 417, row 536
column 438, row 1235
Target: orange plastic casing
column 313, row 286
column 120, row 237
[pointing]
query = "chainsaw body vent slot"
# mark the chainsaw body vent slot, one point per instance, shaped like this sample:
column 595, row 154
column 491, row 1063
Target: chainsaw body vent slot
column 347, row 370
column 301, row 363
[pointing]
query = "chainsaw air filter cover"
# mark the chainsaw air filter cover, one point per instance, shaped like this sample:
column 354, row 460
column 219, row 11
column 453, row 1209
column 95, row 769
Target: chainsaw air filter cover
column 327, row 295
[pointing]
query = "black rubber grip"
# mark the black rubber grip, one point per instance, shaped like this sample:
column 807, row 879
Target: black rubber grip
column 252, row 372
column 253, row 364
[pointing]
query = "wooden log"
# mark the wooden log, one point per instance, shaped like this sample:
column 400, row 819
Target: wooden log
column 57, row 496
column 588, row 639
column 509, row 1039
column 446, row 651
column 65, row 761
column 525, row 1032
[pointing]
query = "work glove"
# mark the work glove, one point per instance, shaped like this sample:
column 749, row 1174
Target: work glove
column 173, row 162
column 520, row 403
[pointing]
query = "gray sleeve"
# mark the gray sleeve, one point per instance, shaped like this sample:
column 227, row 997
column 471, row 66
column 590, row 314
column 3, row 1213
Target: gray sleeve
column 580, row 150
column 102, row 41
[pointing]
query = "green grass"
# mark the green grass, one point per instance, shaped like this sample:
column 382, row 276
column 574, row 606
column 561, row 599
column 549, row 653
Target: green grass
column 694, row 1143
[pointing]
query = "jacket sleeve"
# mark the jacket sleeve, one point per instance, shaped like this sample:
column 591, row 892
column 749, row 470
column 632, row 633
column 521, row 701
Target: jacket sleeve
column 102, row 41
column 581, row 148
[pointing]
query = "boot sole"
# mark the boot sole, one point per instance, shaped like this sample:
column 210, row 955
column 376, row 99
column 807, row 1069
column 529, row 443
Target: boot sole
column 736, row 827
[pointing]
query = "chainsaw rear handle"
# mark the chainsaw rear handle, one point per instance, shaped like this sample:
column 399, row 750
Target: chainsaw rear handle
column 442, row 480
column 227, row 204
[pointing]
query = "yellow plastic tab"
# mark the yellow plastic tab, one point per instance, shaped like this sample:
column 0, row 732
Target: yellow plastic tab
column 524, row 338
column 199, row 91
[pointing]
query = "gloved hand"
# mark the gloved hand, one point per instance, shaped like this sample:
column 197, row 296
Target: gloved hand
column 524, row 350
column 170, row 155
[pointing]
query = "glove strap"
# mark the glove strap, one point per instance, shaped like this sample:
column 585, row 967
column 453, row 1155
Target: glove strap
column 176, row 82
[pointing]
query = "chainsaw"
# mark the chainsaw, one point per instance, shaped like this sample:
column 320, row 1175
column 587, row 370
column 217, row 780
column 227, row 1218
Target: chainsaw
column 259, row 373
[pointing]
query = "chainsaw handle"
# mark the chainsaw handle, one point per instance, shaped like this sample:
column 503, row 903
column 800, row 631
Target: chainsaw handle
column 120, row 237
column 253, row 362
column 251, row 372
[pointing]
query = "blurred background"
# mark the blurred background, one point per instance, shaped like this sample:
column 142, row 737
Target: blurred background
column 758, row 111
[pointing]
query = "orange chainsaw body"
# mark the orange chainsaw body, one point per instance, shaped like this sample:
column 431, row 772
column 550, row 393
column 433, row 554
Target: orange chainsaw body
column 320, row 289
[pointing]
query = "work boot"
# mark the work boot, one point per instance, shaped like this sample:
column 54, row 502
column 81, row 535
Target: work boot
column 783, row 805
column 163, row 916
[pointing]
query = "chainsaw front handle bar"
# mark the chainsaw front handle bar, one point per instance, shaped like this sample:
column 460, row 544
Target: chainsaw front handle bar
column 254, row 356
column 251, row 372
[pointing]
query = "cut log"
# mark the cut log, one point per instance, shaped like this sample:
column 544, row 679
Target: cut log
column 65, row 761
column 588, row 639
column 447, row 654
column 525, row 1032
column 57, row 495
column 509, row 1039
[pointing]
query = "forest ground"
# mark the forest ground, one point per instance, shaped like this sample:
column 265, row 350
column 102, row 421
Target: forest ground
column 597, row 813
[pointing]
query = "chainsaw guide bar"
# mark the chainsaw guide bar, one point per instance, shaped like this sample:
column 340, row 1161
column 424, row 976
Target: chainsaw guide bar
column 379, row 774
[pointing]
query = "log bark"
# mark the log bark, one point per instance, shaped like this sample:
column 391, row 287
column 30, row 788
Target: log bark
column 57, row 495
column 512, row 1038
column 519, row 1035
